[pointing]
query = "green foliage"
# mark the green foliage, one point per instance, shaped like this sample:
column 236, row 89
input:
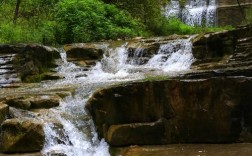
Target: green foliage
column 175, row 26
column 91, row 20
column 67, row 21
column 148, row 12
column 34, row 23
column 11, row 33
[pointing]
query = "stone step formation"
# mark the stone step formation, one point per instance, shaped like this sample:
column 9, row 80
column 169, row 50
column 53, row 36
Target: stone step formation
column 208, row 103
column 8, row 75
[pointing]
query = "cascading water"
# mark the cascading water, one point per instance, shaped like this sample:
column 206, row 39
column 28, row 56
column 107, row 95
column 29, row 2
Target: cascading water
column 194, row 12
column 173, row 56
column 69, row 129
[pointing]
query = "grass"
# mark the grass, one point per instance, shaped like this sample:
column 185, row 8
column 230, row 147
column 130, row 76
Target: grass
column 155, row 78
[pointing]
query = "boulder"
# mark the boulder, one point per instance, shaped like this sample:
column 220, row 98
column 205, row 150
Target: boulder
column 45, row 101
column 34, row 102
column 51, row 76
column 4, row 112
column 137, row 133
column 34, row 60
column 213, row 110
column 84, row 51
column 30, row 62
column 19, row 102
column 214, row 44
column 21, row 113
column 22, row 135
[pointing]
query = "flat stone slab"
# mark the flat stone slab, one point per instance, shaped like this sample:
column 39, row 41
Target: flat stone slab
column 186, row 150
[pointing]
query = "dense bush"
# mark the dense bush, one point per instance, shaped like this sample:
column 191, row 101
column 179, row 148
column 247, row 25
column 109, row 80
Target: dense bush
column 34, row 23
column 90, row 20
column 148, row 12
column 67, row 21
column 27, row 33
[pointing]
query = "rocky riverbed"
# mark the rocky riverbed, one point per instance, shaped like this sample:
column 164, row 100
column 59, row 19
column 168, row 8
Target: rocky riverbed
column 207, row 103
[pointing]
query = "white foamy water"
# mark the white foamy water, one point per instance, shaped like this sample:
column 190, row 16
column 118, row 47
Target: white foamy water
column 173, row 56
column 75, row 135
column 69, row 129
column 194, row 13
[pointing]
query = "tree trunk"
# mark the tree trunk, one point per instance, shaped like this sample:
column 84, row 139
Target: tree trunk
column 241, row 10
column 16, row 11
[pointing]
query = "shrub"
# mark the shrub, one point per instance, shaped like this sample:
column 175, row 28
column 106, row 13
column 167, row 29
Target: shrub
column 27, row 32
column 91, row 20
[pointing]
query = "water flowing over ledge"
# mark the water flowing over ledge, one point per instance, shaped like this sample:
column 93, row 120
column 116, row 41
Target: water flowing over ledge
column 217, row 80
column 72, row 133
column 194, row 13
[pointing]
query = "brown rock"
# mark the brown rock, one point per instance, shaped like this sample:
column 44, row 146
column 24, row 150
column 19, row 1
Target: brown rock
column 197, row 111
column 226, row 50
column 19, row 102
column 83, row 51
column 33, row 60
column 23, row 154
column 137, row 133
column 22, row 135
column 51, row 76
column 4, row 112
column 11, row 49
column 45, row 101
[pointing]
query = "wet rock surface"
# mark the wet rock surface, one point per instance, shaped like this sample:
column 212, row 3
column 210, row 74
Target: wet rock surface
column 85, row 54
column 26, row 62
column 136, row 133
column 197, row 111
column 34, row 102
column 4, row 112
column 186, row 150
column 22, row 135
column 209, row 104
column 141, row 50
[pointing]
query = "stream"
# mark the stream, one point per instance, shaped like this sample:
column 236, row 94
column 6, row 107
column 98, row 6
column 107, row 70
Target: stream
column 72, row 132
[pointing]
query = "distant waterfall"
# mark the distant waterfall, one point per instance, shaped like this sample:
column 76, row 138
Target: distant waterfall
column 194, row 13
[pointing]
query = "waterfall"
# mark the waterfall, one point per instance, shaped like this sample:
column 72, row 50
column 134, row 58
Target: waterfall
column 69, row 129
column 194, row 13
column 174, row 56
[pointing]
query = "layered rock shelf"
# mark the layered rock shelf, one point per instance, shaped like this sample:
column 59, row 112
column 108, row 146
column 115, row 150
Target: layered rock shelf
column 210, row 103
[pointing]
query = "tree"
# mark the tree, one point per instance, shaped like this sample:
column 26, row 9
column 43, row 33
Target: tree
column 149, row 12
column 241, row 10
column 16, row 11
